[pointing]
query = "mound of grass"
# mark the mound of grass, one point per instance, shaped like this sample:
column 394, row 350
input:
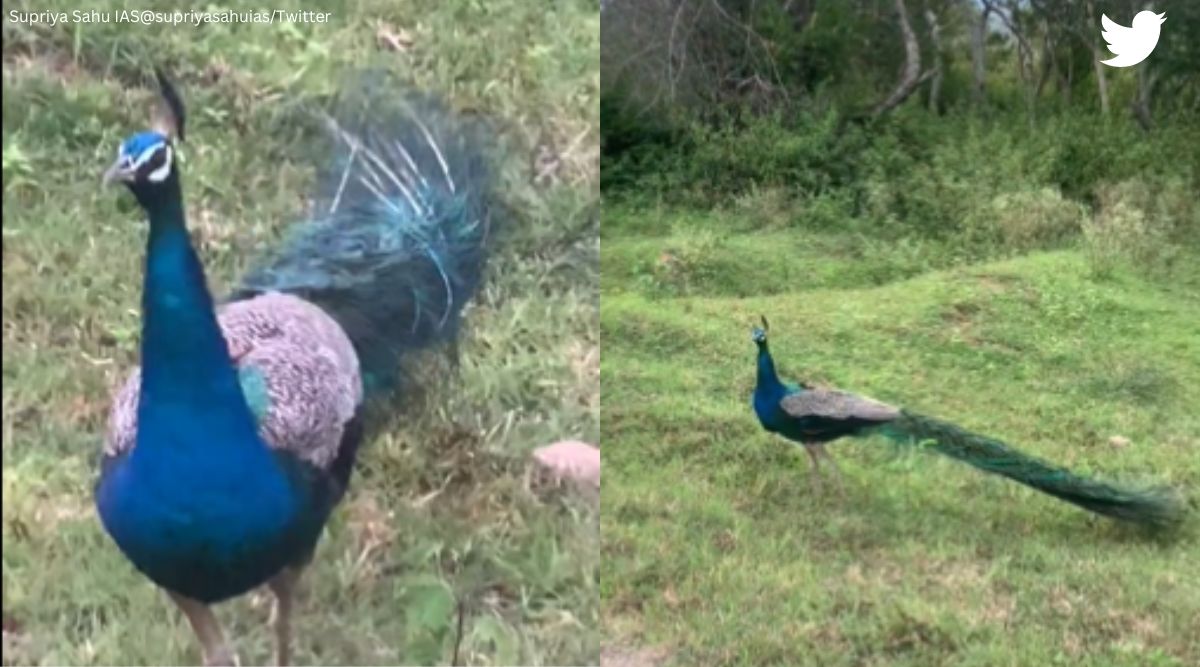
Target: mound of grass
column 439, row 514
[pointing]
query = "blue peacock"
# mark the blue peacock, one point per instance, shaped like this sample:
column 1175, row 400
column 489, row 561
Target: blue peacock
column 229, row 447
column 813, row 416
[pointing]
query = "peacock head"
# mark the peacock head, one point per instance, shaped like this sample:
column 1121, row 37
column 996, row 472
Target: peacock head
column 759, row 334
column 146, row 160
column 143, row 160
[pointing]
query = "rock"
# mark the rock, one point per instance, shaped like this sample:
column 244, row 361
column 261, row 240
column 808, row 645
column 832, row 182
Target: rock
column 571, row 460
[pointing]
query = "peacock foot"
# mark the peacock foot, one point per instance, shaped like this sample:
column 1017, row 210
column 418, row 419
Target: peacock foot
column 213, row 646
column 284, row 587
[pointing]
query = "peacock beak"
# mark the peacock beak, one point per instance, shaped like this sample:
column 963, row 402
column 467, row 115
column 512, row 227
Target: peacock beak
column 1162, row 17
column 117, row 172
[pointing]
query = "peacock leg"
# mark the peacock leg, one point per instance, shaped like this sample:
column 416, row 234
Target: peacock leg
column 216, row 651
column 283, row 585
column 814, row 471
column 821, row 452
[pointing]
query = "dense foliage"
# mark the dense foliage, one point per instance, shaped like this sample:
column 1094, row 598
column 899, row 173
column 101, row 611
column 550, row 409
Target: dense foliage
column 1031, row 151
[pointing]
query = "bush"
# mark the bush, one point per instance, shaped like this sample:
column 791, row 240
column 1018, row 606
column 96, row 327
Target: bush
column 803, row 155
column 687, row 262
column 1150, row 226
column 1026, row 220
column 977, row 187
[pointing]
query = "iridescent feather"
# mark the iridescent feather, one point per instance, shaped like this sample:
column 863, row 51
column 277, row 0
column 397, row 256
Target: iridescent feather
column 305, row 361
column 398, row 233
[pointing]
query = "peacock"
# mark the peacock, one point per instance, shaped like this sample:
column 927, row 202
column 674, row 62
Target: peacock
column 230, row 446
column 813, row 416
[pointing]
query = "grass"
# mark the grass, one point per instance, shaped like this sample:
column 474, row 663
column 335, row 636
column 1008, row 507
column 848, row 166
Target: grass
column 438, row 513
column 718, row 549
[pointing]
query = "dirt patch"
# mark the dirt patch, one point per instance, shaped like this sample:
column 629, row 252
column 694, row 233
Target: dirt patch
column 627, row 656
column 21, row 63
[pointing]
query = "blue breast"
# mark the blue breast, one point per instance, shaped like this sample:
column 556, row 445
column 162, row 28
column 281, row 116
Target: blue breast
column 765, row 400
column 205, row 527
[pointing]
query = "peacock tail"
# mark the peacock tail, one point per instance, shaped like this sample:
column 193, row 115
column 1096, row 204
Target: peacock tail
column 396, row 242
column 1157, row 505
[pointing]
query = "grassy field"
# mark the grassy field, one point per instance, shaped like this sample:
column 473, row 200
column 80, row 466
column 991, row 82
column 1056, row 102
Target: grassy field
column 718, row 550
column 439, row 513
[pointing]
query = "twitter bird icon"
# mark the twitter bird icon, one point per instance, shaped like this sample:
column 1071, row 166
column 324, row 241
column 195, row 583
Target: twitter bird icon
column 1131, row 45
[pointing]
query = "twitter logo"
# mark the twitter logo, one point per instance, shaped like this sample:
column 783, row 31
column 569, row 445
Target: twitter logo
column 1131, row 45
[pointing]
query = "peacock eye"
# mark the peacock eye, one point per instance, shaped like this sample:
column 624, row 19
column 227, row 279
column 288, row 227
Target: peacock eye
column 156, row 160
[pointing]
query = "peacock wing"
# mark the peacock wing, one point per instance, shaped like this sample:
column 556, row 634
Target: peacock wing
column 835, row 404
column 122, row 416
column 298, row 372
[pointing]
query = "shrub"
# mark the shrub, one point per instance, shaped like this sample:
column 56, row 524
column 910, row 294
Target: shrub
column 688, row 261
column 1026, row 220
column 1148, row 225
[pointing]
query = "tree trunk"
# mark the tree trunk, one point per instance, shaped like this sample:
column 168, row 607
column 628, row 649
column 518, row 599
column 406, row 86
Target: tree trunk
column 1101, row 78
column 799, row 11
column 1097, row 56
column 935, row 37
column 1141, row 103
column 1049, row 62
column 1025, row 56
column 1145, row 83
column 910, row 76
column 979, row 56
column 1068, row 82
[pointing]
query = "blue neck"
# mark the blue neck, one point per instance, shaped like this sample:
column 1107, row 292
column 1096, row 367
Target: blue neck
column 767, row 379
column 186, row 370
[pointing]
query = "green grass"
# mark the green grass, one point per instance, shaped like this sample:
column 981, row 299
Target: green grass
column 438, row 511
column 717, row 546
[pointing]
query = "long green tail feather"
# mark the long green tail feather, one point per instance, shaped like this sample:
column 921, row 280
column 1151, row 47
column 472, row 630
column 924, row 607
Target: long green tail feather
column 1156, row 506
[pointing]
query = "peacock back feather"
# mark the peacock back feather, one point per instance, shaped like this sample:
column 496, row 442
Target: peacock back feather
column 396, row 242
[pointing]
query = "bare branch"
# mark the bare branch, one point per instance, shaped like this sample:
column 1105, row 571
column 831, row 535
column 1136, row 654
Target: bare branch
column 910, row 76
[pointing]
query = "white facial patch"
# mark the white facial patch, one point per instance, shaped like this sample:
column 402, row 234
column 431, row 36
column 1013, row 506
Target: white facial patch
column 160, row 174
